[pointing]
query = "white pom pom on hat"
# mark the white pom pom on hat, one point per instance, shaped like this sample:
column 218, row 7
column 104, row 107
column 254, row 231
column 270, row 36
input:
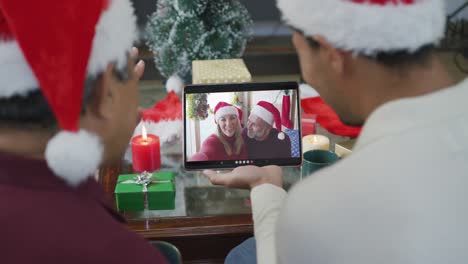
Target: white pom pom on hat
column 281, row 136
column 175, row 83
column 72, row 154
column 369, row 26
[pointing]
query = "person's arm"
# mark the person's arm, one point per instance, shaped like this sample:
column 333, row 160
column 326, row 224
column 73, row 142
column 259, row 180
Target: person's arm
column 267, row 199
column 199, row 157
column 208, row 149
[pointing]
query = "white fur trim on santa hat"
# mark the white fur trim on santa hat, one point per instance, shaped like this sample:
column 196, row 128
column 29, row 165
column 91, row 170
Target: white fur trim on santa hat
column 166, row 130
column 16, row 76
column 175, row 83
column 264, row 114
column 281, row 135
column 226, row 110
column 368, row 28
column 115, row 33
column 74, row 156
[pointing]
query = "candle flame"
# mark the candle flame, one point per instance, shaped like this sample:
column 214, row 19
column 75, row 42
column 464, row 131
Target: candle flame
column 143, row 132
column 315, row 139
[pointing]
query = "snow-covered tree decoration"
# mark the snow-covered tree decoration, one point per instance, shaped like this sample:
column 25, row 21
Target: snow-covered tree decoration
column 180, row 31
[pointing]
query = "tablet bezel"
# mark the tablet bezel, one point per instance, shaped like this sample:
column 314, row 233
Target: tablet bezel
column 240, row 87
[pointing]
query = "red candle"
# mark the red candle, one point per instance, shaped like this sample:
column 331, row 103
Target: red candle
column 146, row 152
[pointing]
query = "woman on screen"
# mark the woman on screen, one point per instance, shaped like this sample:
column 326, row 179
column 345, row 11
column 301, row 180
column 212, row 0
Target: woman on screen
column 227, row 143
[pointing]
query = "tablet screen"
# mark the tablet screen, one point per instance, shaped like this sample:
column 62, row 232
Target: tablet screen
column 234, row 125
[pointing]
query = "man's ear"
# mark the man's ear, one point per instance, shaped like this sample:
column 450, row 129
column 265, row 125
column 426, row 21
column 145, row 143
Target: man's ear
column 332, row 55
column 101, row 105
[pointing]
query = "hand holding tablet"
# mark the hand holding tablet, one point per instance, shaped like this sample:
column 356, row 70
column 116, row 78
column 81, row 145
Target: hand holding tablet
column 247, row 177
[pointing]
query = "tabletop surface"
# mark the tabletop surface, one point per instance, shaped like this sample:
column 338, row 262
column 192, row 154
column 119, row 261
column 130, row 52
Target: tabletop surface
column 195, row 195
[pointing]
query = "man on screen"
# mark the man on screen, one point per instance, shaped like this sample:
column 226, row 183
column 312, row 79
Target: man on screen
column 262, row 139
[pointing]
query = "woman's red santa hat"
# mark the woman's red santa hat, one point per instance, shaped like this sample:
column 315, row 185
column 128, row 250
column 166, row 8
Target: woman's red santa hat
column 369, row 26
column 53, row 45
column 223, row 108
column 270, row 114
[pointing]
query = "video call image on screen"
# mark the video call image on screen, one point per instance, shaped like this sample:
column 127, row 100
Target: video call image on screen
column 229, row 129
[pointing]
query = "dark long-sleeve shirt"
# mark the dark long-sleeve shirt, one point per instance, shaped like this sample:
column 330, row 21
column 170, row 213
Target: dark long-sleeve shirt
column 43, row 220
column 270, row 148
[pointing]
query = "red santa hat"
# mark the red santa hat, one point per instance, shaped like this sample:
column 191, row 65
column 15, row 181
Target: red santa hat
column 53, row 45
column 268, row 113
column 369, row 26
column 223, row 108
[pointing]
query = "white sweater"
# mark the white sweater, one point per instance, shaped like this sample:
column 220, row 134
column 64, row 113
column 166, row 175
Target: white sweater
column 400, row 197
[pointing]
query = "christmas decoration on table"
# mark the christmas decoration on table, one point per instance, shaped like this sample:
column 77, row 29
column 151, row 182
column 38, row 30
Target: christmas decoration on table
column 197, row 106
column 327, row 118
column 154, row 191
column 181, row 31
column 164, row 119
column 220, row 71
column 146, row 151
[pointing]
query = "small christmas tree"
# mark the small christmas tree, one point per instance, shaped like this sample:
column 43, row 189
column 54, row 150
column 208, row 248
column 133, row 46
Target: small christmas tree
column 181, row 31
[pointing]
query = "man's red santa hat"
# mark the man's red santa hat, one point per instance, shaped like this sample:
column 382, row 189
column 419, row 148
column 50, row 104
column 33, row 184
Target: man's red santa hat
column 223, row 108
column 368, row 26
column 53, row 45
column 270, row 114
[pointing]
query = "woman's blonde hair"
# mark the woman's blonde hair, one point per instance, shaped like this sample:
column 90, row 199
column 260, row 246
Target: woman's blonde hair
column 238, row 142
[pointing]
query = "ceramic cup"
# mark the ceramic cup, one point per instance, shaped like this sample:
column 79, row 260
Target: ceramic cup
column 314, row 160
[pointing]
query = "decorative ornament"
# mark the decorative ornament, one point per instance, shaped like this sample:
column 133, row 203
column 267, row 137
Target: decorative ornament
column 198, row 107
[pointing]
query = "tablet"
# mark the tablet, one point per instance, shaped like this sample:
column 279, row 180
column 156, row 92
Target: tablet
column 230, row 125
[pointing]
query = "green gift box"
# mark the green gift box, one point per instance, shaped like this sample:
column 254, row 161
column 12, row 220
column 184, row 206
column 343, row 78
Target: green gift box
column 160, row 191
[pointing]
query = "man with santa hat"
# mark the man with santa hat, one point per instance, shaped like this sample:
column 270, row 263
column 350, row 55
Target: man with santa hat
column 68, row 104
column 400, row 197
column 263, row 140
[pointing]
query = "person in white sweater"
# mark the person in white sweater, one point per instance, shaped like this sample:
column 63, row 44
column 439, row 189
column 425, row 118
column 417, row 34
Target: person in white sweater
column 401, row 196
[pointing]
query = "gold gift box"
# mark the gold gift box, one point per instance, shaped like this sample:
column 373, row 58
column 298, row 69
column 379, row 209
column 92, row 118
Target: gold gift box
column 220, row 71
column 345, row 148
